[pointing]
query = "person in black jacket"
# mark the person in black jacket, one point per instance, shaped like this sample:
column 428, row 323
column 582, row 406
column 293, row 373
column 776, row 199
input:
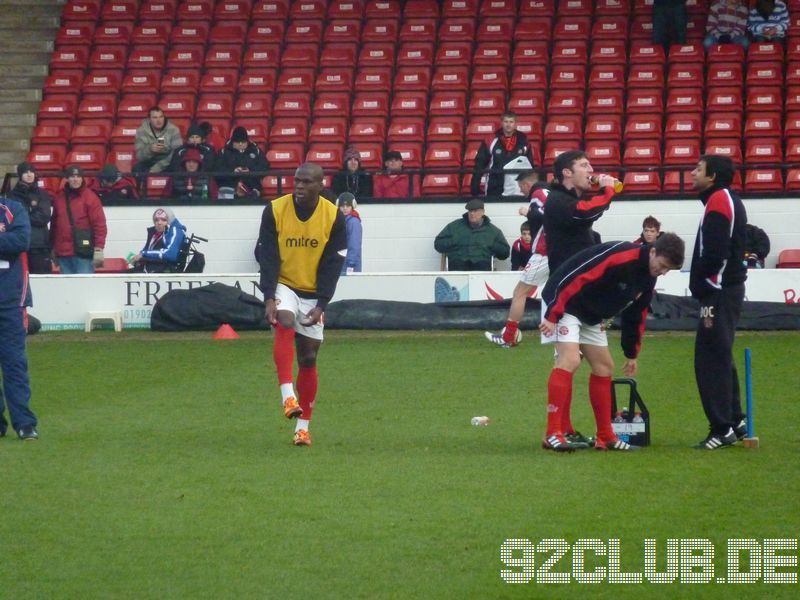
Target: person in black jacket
column 717, row 280
column 239, row 158
column 756, row 247
column 352, row 178
column 39, row 205
column 111, row 186
column 195, row 138
column 508, row 144
column 591, row 286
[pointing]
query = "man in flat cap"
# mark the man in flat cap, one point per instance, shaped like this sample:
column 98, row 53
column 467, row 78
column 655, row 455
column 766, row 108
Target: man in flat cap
column 472, row 241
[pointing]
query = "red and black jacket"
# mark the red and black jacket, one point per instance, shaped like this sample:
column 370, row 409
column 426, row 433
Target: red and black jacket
column 600, row 282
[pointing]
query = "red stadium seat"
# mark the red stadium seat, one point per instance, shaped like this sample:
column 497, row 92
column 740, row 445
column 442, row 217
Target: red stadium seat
column 232, row 32
column 304, row 31
column 642, row 182
column 123, row 133
column 334, row 79
column 332, row 104
column 641, row 29
column 90, row 157
column 603, row 154
column 155, row 186
column 446, row 129
column 97, row 106
column 262, row 56
column 684, row 126
column 146, row 57
column 684, row 100
column 456, row 30
column 274, row 185
column 531, row 52
column 270, row 9
column 257, row 130
column 50, row 132
column 569, row 52
column 90, row 132
column 180, row 80
column 763, row 125
column 603, row 127
column 158, row 10
column 724, row 147
column 764, row 99
column 301, row 56
column 443, row 155
column 266, row 32
column 373, row 79
column 460, row 8
column 120, row 10
column 645, row 76
column 214, row 106
column 691, row 53
column 681, row 152
column 252, row 105
column 642, row 153
column 646, row 53
column 724, row 99
column 609, row 52
column 57, row 107
column 411, row 153
column 345, row 9
column 370, row 104
column 791, row 126
column 326, row 155
column 763, row 180
column 487, row 102
column 380, row 30
column 537, row 8
column 643, row 127
column 792, row 185
column 685, row 74
column 606, row 76
column 69, row 57
column 177, row 105
column 569, row 77
column 371, row 156
column 792, row 150
column 81, row 10
column 450, row 79
column 763, row 151
column 123, row 157
column 232, row 10
column 63, row 82
column 564, row 127
column 74, row 33
column 290, row 130
column 292, row 105
column 257, row 81
column 367, row 129
column 189, row 33
column 726, row 53
column 792, row 99
column 342, row 31
column 789, row 259
column 440, row 184
column 201, row 10
column 529, row 77
column 416, row 30
column 189, row 57
column 412, row 79
column 409, row 104
column 531, row 126
column 450, row 54
column 566, row 102
column 723, row 125
column 218, row 81
column 47, row 157
column 489, row 78
column 572, row 28
column 102, row 82
column 307, row 9
column 764, row 74
column 481, row 128
column 377, row 54
column 495, row 30
column 605, row 102
column 108, row 57
column 151, row 33
column 223, row 56
column 765, row 52
column 492, row 53
column 553, row 149
column 498, row 8
column 141, row 82
column 296, row 81
column 112, row 33
column 136, row 106
column 721, row 74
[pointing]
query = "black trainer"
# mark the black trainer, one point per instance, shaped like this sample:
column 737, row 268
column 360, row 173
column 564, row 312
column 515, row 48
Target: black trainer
column 741, row 430
column 27, row 434
column 715, row 441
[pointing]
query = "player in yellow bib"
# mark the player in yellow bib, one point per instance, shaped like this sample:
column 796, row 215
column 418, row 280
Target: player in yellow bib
column 303, row 243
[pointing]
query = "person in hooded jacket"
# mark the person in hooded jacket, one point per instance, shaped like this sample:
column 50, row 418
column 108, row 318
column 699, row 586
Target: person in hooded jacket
column 237, row 160
column 191, row 183
column 112, row 186
column 76, row 207
column 162, row 248
column 40, row 208
column 347, row 204
column 352, row 178
column 195, row 139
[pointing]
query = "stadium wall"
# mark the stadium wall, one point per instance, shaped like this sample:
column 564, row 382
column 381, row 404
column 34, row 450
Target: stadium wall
column 399, row 237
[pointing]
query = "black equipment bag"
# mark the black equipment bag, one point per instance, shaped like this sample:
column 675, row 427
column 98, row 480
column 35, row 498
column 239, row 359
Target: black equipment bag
column 632, row 423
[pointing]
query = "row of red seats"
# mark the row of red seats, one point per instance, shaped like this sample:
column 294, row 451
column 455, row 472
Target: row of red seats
column 237, row 10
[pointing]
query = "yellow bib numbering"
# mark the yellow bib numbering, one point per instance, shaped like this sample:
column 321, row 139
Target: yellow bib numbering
column 301, row 242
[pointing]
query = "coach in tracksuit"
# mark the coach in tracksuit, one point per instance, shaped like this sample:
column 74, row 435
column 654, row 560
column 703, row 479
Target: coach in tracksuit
column 507, row 144
column 717, row 280
column 15, row 238
column 591, row 286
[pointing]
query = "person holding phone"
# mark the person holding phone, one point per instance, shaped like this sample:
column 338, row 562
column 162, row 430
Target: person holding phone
column 156, row 140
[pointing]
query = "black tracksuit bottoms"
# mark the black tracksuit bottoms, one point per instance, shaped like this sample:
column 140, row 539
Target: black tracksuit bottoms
column 714, row 367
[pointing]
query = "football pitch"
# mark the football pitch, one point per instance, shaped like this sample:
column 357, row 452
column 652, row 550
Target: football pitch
column 165, row 469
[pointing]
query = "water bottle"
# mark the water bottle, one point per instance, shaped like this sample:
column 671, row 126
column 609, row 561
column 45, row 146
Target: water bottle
column 480, row 421
column 595, row 179
column 204, row 192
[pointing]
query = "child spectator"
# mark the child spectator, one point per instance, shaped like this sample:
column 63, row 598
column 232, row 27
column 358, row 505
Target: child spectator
column 521, row 249
column 393, row 183
column 191, row 183
column 111, row 186
column 727, row 23
column 768, row 21
column 347, row 205
column 651, row 231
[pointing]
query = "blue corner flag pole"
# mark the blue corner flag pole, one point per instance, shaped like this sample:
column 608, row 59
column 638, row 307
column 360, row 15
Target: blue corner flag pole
column 748, row 378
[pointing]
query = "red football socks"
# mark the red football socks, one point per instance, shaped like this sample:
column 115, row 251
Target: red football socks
column 283, row 353
column 307, row 390
column 510, row 331
column 600, row 398
column 559, row 392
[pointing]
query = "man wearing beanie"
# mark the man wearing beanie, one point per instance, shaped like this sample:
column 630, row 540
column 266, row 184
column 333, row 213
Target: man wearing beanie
column 78, row 231
column 111, row 186
column 195, row 138
column 352, row 178
column 472, row 241
column 39, row 205
column 237, row 160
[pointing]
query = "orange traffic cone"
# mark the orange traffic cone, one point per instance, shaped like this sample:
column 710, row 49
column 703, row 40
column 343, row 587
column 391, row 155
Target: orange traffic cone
column 225, row 332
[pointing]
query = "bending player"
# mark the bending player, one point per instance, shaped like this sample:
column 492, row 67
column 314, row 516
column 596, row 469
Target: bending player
column 591, row 286
column 534, row 184
column 303, row 243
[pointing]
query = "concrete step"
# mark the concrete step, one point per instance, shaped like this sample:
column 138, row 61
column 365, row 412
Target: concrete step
column 26, row 120
column 12, row 144
column 40, row 43
column 31, row 22
column 15, row 132
column 7, row 70
column 20, row 95
column 26, row 58
column 12, row 157
column 34, row 82
column 20, row 108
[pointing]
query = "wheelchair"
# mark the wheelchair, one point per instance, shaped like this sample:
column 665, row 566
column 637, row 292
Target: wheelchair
column 190, row 259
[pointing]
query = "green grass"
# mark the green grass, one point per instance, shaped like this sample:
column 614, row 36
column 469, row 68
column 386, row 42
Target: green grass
column 165, row 469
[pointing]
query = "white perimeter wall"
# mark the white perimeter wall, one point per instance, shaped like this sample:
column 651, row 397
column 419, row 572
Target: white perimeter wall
column 399, row 237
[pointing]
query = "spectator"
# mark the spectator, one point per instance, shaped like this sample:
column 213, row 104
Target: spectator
column 727, row 23
column 756, row 246
column 238, row 159
column 111, row 186
column 353, row 178
column 768, row 21
column 191, row 183
column 40, row 208
column 471, row 241
column 651, row 231
column 347, row 204
column 78, row 231
column 195, row 138
column 156, row 139
column 393, row 183
column 521, row 249
column 506, row 146
column 669, row 22
column 162, row 249
column 15, row 297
